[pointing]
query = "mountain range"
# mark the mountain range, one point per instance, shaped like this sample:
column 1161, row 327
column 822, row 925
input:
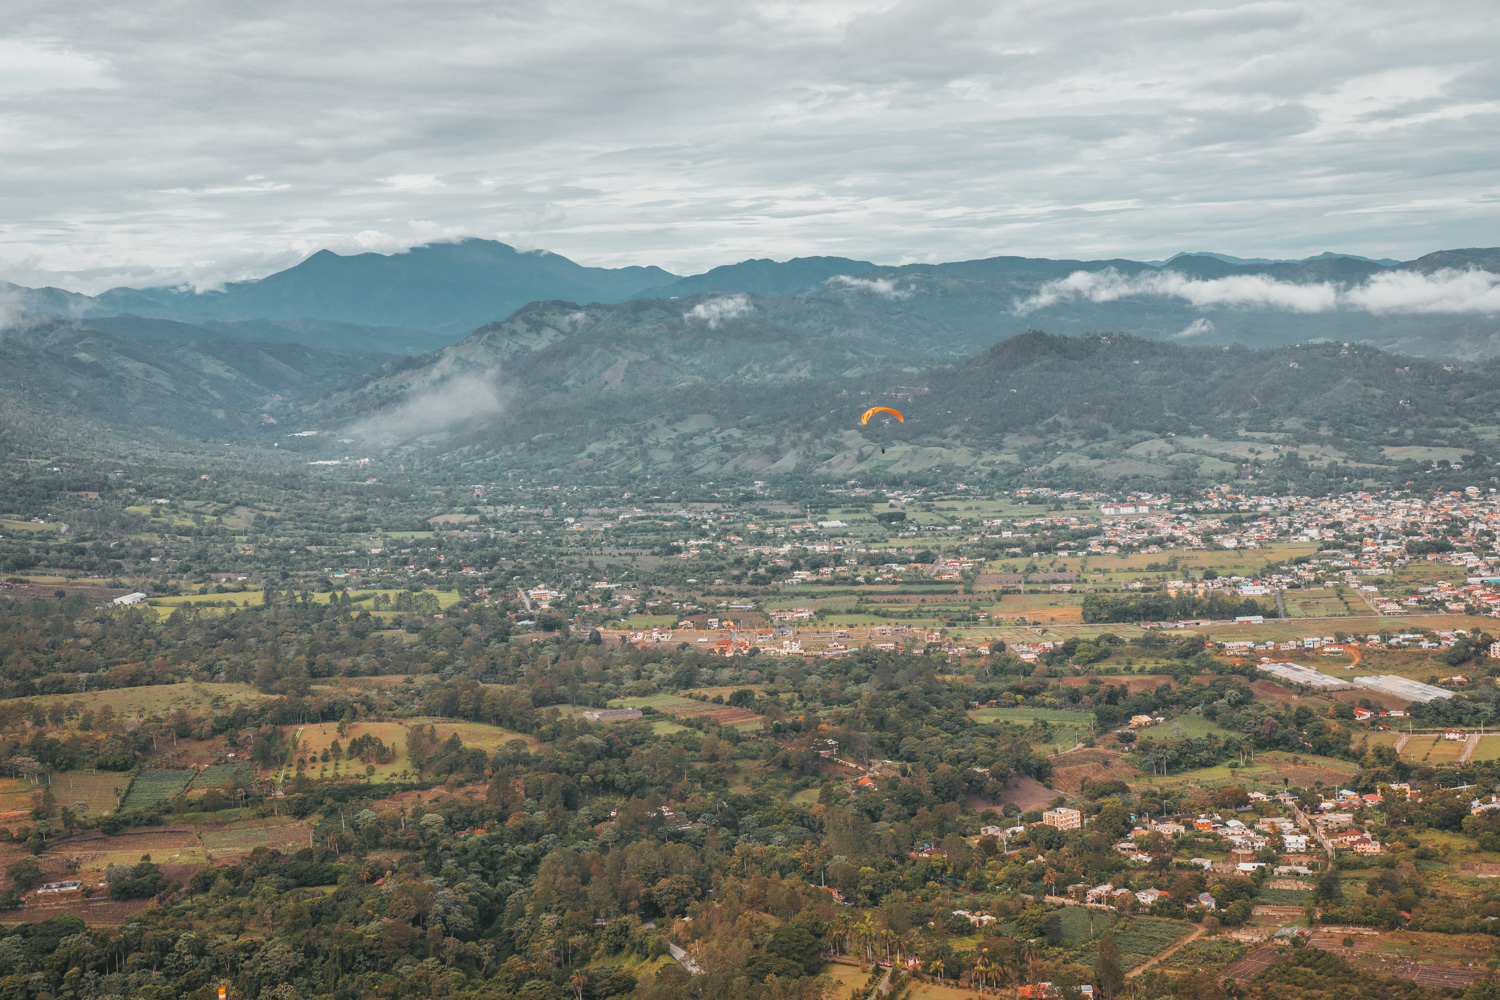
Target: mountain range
column 1036, row 407
column 760, row 368
column 433, row 296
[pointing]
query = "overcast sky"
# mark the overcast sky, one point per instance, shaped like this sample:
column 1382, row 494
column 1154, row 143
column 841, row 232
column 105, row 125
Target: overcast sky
column 154, row 142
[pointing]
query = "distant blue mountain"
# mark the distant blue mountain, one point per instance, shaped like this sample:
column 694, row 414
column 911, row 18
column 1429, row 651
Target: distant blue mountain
column 1325, row 255
column 431, row 296
column 448, row 288
column 765, row 277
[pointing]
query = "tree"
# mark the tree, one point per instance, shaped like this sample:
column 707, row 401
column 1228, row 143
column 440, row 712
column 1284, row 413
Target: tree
column 794, row 943
column 673, row 894
column 1233, row 797
column 1328, row 889
column 1109, row 976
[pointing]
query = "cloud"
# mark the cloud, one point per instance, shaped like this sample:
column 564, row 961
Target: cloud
column 139, row 142
column 1199, row 327
column 715, row 311
column 412, row 182
column 11, row 311
column 28, row 66
column 884, row 287
column 1445, row 291
column 440, row 401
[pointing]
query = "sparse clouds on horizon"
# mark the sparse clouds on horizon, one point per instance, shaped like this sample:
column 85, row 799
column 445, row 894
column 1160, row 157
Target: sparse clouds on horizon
column 1446, row 291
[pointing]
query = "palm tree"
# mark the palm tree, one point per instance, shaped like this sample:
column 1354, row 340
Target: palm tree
column 866, row 933
column 937, row 967
column 980, row 972
column 1028, row 955
column 841, row 926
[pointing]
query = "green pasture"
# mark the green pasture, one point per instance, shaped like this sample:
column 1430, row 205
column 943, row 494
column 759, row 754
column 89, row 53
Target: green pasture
column 1055, row 716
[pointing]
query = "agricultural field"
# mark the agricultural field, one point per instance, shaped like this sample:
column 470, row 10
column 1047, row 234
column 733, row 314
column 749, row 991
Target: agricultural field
column 379, row 682
column 1025, row 716
column 1433, row 749
column 1270, row 771
column 103, row 913
column 477, row 734
column 219, row 775
column 1205, row 953
column 688, row 708
column 153, row 786
column 283, row 834
column 1047, row 609
column 1322, row 603
column 725, row 690
column 1070, row 769
column 1146, row 937
column 312, row 740
column 10, row 526
column 1190, row 725
column 98, row 790
column 1226, row 562
column 166, row 845
column 15, row 798
column 153, row 699
column 1488, row 749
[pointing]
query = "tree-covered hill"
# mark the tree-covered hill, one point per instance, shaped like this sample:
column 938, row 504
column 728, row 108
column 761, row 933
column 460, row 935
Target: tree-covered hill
column 1103, row 407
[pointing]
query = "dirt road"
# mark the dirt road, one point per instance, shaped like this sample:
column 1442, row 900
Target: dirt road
column 1197, row 933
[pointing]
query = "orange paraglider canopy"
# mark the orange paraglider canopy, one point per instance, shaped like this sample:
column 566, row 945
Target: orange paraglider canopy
column 880, row 409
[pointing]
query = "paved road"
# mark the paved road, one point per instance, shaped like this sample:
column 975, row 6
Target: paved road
column 683, row 959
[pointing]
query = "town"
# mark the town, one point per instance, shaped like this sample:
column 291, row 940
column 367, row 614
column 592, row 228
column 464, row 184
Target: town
column 942, row 740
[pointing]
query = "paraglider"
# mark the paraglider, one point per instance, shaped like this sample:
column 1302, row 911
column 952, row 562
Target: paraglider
column 880, row 409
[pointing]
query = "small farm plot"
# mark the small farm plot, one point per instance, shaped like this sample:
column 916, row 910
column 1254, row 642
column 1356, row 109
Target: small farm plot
column 1026, row 716
column 1147, row 937
column 688, row 708
column 152, row 699
column 477, row 734
column 1444, row 751
column 154, row 786
column 1212, row 953
column 313, row 741
column 165, row 845
column 1070, row 770
column 15, row 795
column 1488, row 749
column 94, row 912
column 101, row 791
column 277, row 833
column 1058, row 609
column 1317, row 604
